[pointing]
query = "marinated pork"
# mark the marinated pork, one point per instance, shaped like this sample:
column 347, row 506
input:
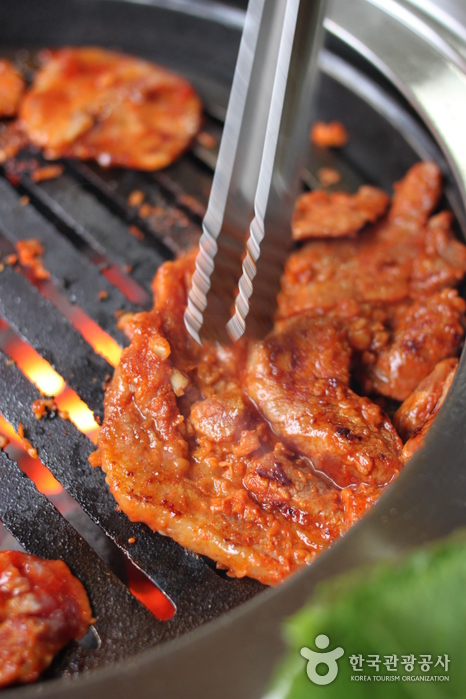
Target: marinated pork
column 261, row 454
column 319, row 214
column 42, row 607
column 91, row 103
column 384, row 286
column 187, row 451
column 414, row 417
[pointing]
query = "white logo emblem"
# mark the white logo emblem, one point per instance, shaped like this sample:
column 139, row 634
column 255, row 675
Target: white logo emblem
column 329, row 659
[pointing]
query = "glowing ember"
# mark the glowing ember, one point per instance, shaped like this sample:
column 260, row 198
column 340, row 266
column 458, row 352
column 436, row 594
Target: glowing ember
column 147, row 593
column 69, row 402
column 126, row 285
column 52, row 384
column 97, row 338
column 34, row 468
column 35, row 368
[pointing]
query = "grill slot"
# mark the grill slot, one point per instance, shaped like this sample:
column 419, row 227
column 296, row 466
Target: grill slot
column 87, row 218
column 168, row 224
column 188, row 183
column 70, row 270
column 53, row 336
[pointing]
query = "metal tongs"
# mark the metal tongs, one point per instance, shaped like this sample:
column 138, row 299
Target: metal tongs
column 256, row 180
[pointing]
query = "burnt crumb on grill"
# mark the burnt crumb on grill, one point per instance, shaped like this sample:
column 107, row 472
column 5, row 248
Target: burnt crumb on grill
column 26, row 443
column 136, row 197
column 9, row 362
column 146, row 210
column 136, row 232
column 132, row 540
column 49, row 172
column 42, row 607
column 44, row 406
column 11, row 259
column 91, row 103
column 30, row 255
column 164, row 219
column 206, row 139
column 329, row 134
column 102, row 295
column 128, row 268
column 24, row 200
column 328, row 176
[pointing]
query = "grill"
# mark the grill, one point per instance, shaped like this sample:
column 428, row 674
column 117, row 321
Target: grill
column 100, row 267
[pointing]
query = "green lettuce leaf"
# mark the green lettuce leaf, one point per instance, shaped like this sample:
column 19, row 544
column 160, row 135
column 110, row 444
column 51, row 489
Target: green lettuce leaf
column 414, row 606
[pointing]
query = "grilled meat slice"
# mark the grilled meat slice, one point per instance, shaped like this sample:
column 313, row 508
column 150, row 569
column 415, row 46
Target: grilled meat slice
column 42, row 607
column 320, row 214
column 384, row 286
column 330, row 134
column 187, row 452
column 405, row 255
column 91, row 103
column 416, row 414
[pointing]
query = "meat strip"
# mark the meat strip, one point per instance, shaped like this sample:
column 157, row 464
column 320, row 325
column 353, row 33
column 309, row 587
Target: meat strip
column 320, row 214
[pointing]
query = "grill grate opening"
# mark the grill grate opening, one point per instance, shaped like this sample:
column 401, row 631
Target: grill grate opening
column 81, row 216
column 156, row 217
column 46, row 484
column 105, row 345
column 49, row 383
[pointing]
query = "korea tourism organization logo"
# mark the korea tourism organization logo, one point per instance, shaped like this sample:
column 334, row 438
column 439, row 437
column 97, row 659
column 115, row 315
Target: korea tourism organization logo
column 373, row 667
column 329, row 659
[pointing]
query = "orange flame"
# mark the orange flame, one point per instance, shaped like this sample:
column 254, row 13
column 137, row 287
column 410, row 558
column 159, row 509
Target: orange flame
column 126, row 285
column 148, row 594
column 34, row 468
column 50, row 383
column 37, row 369
column 98, row 338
